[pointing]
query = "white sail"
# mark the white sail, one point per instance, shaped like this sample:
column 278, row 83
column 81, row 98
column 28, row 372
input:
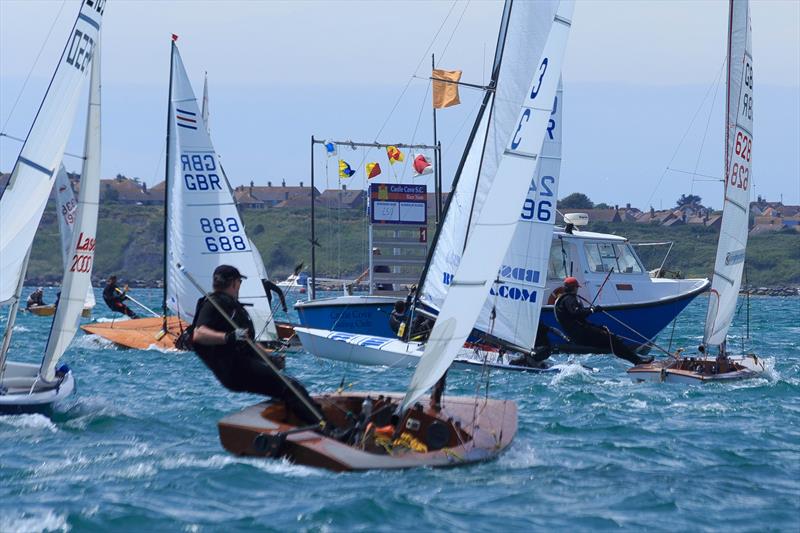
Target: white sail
column 491, row 234
column 511, row 311
column 523, row 30
column 67, row 212
column 204, row 229
column 78, row 270
column 729, row 261
column 23, row 201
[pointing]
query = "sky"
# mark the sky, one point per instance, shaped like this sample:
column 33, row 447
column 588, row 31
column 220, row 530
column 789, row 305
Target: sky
column 643, row 106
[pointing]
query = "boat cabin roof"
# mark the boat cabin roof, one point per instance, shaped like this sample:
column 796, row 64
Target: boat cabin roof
column 589, row 235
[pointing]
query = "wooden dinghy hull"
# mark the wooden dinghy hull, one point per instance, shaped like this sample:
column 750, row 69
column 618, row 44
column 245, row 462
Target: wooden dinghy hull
column 22, row 393
column 698, row 370
column 453, row 437
column 50, row 310
column 139, row 333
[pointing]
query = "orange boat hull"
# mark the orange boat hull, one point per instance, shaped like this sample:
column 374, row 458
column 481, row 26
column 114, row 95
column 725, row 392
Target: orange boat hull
column 139, row 333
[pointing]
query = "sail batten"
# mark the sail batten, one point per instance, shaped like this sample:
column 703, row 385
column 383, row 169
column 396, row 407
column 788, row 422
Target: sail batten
column 511, row 176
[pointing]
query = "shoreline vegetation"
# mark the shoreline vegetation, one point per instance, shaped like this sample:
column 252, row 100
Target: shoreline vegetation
column 130, row 245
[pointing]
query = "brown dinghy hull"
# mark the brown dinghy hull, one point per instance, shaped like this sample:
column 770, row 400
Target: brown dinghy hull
column 453, row 437
column 698, row 370
column 50, row 310
column 139, row 333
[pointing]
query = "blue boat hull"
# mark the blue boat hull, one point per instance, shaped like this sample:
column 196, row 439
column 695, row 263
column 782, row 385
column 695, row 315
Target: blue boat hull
column 370, row 316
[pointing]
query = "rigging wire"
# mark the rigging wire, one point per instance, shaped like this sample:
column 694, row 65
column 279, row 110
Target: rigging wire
column 33, row 66
column 452, row 34
column 686, row 133
column 705, row 133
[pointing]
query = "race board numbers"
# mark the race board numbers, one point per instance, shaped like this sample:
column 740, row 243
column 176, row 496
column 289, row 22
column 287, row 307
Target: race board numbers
column 223, row 234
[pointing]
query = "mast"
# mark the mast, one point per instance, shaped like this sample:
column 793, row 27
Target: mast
column 166, row 183
column 312, row 292
column 488, row 98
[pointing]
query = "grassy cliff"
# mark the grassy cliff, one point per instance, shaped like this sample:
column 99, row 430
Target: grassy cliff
column 130, row 243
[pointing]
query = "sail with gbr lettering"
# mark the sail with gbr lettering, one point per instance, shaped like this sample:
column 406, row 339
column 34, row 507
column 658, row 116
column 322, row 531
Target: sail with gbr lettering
column 67, row 212
column 729, row 262
column 77, row 278
column 494, row 226
column 204, row 229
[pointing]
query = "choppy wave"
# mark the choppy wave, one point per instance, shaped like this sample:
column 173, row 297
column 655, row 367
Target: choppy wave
column 32, row 421
column 33, row 521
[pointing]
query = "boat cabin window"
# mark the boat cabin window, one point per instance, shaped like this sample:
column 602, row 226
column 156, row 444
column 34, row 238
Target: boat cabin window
column 604, row 256
column 561, row 254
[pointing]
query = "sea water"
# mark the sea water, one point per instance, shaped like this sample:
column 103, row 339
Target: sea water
column 136, row 448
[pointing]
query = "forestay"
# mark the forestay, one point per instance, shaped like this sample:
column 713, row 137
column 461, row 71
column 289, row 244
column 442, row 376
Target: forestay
column 517, row 295
column 204, row 229
column 23, row 201
column 67, row 212
column 729, row 262
column 523, row 30
column 78, row 268
column 494, row 228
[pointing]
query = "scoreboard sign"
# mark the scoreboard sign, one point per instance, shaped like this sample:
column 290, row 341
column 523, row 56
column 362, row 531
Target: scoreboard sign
column 398, row 204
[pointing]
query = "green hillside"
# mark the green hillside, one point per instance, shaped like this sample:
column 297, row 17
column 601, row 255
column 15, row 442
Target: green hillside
column 129, row 243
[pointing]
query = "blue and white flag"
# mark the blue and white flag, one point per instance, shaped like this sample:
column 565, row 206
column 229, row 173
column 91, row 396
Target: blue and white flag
column 330, row 149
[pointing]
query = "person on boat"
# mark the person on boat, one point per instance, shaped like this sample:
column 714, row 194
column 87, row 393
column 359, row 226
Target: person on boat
column 571, row 314
column 377, row 269
column 36, row 298
column 115, row 298
column 224, row 349
column 269, row 288
column 542, row 349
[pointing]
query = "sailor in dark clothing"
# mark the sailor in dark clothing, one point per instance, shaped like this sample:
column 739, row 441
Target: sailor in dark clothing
column 36, row 298
column 225, row 352
column 269, row 288
column 398, row 316
column 114, row 298
column 541, row 351
column 572, row 314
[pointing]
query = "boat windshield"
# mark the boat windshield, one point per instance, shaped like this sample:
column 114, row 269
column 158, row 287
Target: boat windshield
column 604, row 256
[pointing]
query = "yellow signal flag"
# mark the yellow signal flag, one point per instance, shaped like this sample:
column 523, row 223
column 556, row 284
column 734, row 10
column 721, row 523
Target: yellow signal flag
column 445, row 88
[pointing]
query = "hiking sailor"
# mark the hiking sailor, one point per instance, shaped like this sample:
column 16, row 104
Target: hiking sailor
column 36, row 298
column 225, row 351
column 114, row 297
column 571, row 314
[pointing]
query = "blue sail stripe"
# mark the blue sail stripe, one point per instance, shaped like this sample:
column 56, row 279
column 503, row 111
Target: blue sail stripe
column 89, row 21
column 187, row 126
column 185, row 112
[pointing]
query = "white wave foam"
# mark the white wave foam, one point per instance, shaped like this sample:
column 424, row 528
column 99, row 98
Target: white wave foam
column 20, row 329
column 162, row 349
column 35, row 421
column 112, row 319
column 93, row 342
column 570, row 371
column 34, row 521
column 282, row 467
column 137, row 471
column 520, row 457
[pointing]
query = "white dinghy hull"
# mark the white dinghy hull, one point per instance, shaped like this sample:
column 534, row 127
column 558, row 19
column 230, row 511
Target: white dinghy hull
column 26, row 393
column 698, row 370
column 382, row 351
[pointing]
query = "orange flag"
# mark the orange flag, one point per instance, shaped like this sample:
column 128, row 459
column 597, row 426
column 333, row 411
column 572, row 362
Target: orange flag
column 445, row 88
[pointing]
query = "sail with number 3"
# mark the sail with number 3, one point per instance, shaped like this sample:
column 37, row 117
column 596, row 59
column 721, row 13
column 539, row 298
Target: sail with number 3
column 494, row 227
column 729, row 262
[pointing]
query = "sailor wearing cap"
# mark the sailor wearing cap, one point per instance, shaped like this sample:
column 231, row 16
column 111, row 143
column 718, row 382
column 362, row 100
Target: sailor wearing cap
column 225, row 352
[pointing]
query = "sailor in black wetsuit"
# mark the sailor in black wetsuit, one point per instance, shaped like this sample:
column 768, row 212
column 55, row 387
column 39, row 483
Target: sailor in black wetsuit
column 225, row 352
column 114, row 298
column 36, row 298
column 571, row 315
